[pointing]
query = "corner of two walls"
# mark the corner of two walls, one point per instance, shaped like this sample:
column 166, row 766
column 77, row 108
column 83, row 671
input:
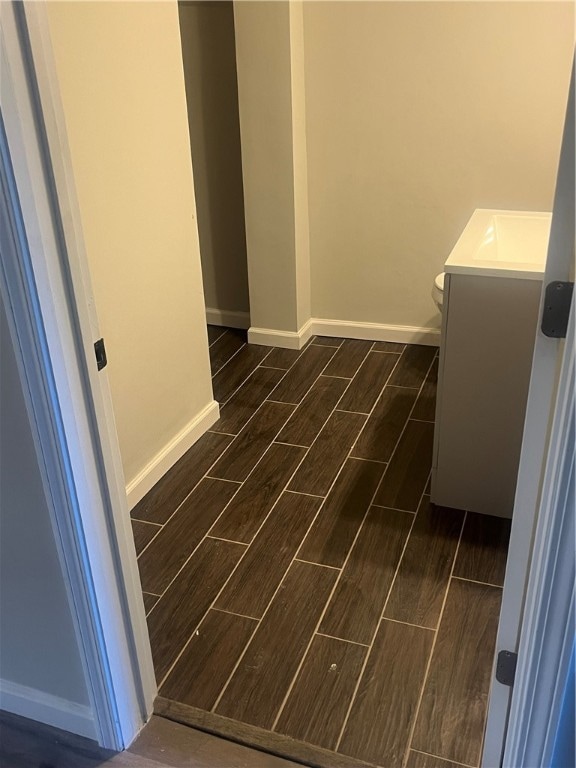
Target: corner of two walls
column 370, row 133
column 120, row 72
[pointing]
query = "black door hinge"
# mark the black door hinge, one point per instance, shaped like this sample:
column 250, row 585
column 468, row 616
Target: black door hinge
column 100, row 350
column 557, row 300
column 506, row 667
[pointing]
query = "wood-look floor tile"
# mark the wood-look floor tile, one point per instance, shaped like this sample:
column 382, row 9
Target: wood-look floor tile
column 349, row 358
column 304, row 372
column 378, row 728
column 453, row 710
column 214, row 333
column 318, row 703
column 258, row 687
column 359, row 597
column 171, row 490
column 281, row 358
column 385, row 424
column 322, row 463
column 237, row 370
column 143, row 533
column 246, row 400
column 421, row 760
column 258, row 494
column 181, row 608
column 368, row 383
column 388, row 346
column 407, row 473
column 310, row 416
column 149, row 601
column 425, row 408
column 224, row 348
column 413, row 366
column 203, row 669
column 162, row 560
column 247, row 449
column 262, row 568
column 422, row 579
column 333, row 532
column 483, row 549
column 327, row 341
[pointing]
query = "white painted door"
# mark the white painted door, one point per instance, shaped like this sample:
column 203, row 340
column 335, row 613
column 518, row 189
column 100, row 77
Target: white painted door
column 540, row 441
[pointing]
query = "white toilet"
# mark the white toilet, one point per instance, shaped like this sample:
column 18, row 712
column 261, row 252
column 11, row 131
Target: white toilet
column 438, row 290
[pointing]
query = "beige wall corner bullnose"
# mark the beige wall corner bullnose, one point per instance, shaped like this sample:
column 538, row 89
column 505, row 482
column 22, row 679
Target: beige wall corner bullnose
column 269, row 52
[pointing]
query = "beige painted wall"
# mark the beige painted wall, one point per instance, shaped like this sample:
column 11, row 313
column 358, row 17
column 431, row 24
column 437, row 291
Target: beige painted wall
column 209, row 55
column 418, row 113
column 119, row 66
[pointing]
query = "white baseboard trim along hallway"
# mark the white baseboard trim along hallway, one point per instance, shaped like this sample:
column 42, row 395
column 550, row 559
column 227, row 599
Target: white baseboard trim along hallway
column 139, row 486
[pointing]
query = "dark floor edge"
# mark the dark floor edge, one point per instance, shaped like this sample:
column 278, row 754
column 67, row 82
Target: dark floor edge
column 255, row 737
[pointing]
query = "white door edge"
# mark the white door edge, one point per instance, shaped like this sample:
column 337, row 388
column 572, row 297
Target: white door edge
column 48, row 306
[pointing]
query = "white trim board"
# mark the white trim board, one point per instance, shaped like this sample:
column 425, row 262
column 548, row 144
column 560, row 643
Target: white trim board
column 228, row 317
column 271, row 337
column 348, row 329
column 139, row 486
column 48, row 709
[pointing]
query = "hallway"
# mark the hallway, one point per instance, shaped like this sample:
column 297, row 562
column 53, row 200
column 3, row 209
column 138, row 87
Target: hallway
column 302, row 593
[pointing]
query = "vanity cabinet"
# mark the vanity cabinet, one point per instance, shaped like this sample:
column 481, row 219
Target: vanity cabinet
column 488, row 334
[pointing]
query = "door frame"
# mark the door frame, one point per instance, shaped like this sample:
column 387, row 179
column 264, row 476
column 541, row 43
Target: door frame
column 45, row 284
column 536, row 544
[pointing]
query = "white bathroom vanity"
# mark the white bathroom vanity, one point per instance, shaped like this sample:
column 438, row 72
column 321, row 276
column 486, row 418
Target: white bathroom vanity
column 492, row 293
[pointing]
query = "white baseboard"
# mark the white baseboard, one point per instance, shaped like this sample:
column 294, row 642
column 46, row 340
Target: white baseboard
column 403, row 334
column 139, row 486
column 269, row 337
column 229, row 318
column 48, row 709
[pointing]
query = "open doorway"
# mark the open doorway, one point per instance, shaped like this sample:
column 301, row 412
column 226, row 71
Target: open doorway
column 209, row 59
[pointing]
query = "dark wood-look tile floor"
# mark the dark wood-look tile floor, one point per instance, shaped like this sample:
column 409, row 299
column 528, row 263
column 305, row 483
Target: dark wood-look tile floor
column 303, row 594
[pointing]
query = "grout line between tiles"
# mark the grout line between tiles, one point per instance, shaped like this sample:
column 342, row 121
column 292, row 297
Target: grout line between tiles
column 423, row 421
column 230, row 434
column 431, row 654
column 231, row 613
column 407, row 623
column 370, row 461
column 437, row 757
column 476, row 581
column 344, row 378
column 145, row 592
column 386, row 351
column 272, row 367
column 294, row 445
column 358, row 413
column 215, row 373
column 303, row 493
column 330, row 346
column 396, row 509
column 281, row 402
column 223, row 480
column 340, row 639
column 230, row 541
column 160, row 527
column 137, row 519
column 320, row 565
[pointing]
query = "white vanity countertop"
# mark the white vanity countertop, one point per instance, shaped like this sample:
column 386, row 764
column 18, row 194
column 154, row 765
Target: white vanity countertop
column 498, row 243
